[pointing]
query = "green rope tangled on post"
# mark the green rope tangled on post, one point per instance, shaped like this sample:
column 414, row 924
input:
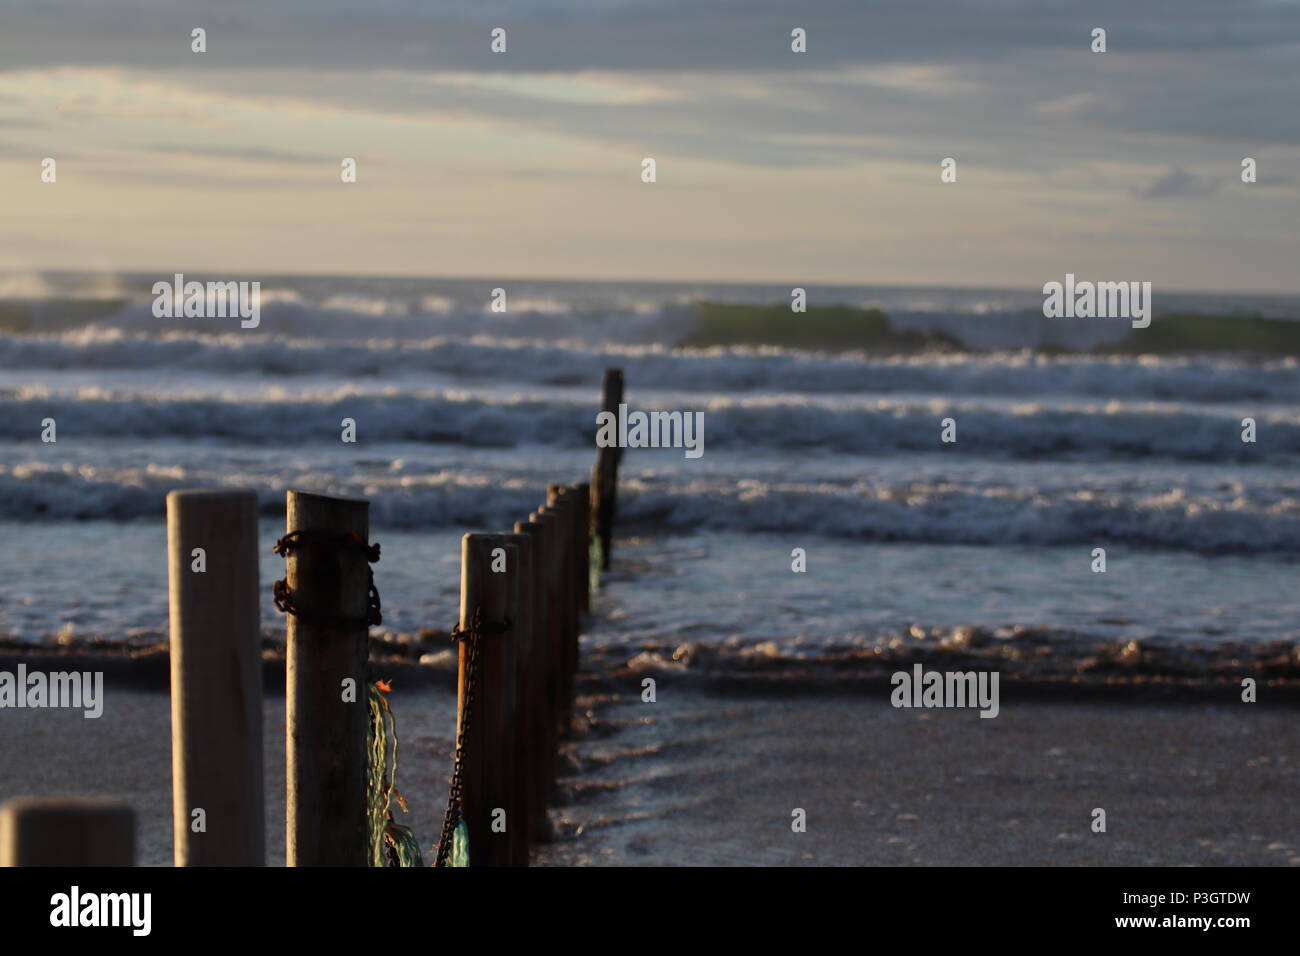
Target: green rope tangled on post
column 391, row 844
column 595, row 561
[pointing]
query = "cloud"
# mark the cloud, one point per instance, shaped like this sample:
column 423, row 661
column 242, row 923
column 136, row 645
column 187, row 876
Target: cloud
column 1177, row 182
column 1072, row 104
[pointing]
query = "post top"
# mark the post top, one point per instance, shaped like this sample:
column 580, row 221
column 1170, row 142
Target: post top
column 316, row 495
column 211, row 493
column 64, row 804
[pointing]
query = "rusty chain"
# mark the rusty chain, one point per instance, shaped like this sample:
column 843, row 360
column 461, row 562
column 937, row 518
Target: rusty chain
column 472, row 636
column 350, row 540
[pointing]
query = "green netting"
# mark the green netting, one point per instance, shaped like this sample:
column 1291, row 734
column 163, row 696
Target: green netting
column 391, row 844
column 460, row 845
column 596, row 562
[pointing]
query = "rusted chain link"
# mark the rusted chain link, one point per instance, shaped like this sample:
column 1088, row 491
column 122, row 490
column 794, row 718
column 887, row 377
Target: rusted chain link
column 472, row 636
column 351, row 541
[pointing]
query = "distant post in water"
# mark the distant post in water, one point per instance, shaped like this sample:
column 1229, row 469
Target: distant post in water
column 218, row 811
column 582, row 507
column 66, row 831
column 604, row 475
column 565, row 498
column 328, row 702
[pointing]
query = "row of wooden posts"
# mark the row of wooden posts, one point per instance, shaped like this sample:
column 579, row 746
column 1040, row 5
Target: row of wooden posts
column 523, row 592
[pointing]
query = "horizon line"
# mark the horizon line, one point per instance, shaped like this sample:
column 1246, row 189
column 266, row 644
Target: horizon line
column 964, row 287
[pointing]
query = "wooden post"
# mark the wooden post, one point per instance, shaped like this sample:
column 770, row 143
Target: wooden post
column 565, row 502
column 524, row 758
column 604, row 476
column 539, row 736
column 551, row 640
column 550, row 522
column 489, row 747
column 218, row 811
column 582, row 508
column 328, row 704
column 561, row 507
column 66, row 831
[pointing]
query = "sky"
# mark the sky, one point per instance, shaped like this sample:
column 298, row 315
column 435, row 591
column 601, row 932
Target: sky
column 772, row 166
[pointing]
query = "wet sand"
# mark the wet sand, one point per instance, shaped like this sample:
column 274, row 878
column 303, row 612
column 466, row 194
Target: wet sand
column 710, row 776
column 702, row 777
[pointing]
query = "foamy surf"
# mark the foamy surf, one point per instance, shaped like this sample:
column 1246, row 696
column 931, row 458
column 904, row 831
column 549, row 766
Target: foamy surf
column 463, row 415
column 525, row 361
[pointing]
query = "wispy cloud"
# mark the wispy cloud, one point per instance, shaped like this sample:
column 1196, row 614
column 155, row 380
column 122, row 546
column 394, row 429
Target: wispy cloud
column 1177, row 182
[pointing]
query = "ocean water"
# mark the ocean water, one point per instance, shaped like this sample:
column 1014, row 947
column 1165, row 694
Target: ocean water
column 464, row 415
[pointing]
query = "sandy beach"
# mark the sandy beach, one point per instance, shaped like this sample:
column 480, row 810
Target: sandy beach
column 710, row 773
column 126, row 755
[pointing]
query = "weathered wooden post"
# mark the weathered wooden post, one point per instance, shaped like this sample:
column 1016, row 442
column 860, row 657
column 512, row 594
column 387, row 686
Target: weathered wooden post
column 604, row 475
column 561, row 508
column 328, row 703
column 564, row 500
column 218, row 811
column 554, row 641
column 539, row 736
column 582, row 510
column 524, row 758
column 66, row 831
column 487, row 617
column 550, row 522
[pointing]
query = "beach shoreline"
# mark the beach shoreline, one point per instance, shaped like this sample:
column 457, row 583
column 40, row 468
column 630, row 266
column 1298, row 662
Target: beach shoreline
column 710, row 772
column 737, row 738
column 1035, row 662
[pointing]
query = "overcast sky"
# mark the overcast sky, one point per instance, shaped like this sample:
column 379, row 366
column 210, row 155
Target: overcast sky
column 772, row 166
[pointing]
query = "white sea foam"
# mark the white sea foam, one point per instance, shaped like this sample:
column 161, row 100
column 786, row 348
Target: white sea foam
column 522, row 361
column 1216, row 516
column 784, row 421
